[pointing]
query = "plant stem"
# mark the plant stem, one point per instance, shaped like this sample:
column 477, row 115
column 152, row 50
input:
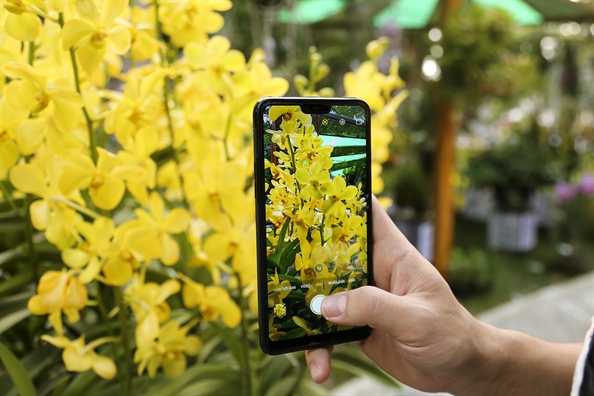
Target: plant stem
column 92, row 137
column 31, row 52
column 104, row 316
column 247, row 379
column 8, row 197
column 29, row 236
column 126, row 372
column 226, row 139
column 78, row 207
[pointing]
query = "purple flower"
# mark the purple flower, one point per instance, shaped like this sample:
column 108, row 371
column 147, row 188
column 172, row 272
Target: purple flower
column 587, row 184
column 565, row 191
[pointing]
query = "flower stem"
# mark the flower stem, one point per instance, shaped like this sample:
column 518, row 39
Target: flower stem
column 31, row 52
column 226, row 139
column 92, row 137
column 78, row 207
column 8, row 196
column 247, row 379
column 127, row 371
column 104, row 316
column 29, row 235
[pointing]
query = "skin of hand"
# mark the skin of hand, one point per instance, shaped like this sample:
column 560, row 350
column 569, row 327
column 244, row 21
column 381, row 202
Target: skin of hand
column 424, row 338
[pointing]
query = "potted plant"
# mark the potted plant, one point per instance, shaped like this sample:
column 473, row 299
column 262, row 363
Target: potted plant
column 514, row 170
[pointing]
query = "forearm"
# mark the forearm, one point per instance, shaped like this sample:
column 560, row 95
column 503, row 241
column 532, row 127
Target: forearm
column 514, row 363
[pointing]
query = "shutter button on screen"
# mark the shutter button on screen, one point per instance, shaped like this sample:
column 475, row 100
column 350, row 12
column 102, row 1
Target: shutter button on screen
column 316, row 304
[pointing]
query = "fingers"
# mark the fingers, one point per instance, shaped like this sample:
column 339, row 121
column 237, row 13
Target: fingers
column 366, row 305
column 318, row 361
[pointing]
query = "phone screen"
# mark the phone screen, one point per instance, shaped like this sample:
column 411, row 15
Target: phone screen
column 317, row 196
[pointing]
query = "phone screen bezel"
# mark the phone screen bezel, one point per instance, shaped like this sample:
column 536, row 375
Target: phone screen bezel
column 296, row 344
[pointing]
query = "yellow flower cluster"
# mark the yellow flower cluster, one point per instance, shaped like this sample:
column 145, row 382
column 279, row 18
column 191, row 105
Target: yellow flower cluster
column 133, row 153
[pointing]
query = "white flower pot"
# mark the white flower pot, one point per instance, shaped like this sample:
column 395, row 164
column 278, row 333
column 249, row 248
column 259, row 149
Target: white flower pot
column 512, row 231
column 420, row 234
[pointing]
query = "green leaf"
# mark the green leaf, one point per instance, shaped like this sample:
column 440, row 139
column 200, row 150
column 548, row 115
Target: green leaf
column 234, row 346
column 208, row 347
column 209, row 387
column 274, row 369
column 194, row 375
column 352, row 360
column 17, row 372
column 286, row 385
column 310, row 388
column 34, row 363
column 16, row 282
column 15, row 302
column 11, row 255
column 11, row 223
column 288, row 255
column 61, row 387
column 11, row 319
column 82, row 384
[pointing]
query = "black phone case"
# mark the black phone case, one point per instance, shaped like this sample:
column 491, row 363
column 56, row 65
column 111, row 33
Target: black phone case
column 310, row 342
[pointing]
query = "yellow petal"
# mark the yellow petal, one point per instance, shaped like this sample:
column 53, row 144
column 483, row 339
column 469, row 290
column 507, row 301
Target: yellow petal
column 156, row 206
column 75, row 258
column 277, row 111
column 23, row 27
column 109, row 194
column 168, row 288
column 195, row 53
column 217, row 47
column 231, row 314
column 90, row 57
column 110, row 10
column 9, row 154
column 233, row 61
column 74, row 178
column 192, row 346
column 170, row 250
column 76, row 295
column 177, row 221
column 76, row 362
column 91, row 271
column 28, row 178
column 60, row 341
column 119, row 39
column 117, row 272
column 75, row 31
column 35, row 306
column 174, row 368
column 147, row 329
column 104, row 367
column 40, row 213
column 31, row 133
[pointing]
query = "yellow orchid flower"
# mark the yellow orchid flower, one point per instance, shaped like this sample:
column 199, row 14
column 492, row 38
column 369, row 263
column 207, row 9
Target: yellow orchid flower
column 273, row 330
column 337, row 191
column 147, row 301
column 95, row 31
column 22, row 22
column 133, row 244
column 30, row 92
column 365, row 83
column 174, row 222
column 277, row 290
column 192, row 20
column 48, row 214
column 79, row 357
column 143, row 44
column 303, row 324
column 311, row 181
column 104, row 181
column 212, row 301
column 309, row 257
column 9, row 152
column 291, row 115
column 58, row 291
column 88, row 251
column 168, row 351
column 215, row 60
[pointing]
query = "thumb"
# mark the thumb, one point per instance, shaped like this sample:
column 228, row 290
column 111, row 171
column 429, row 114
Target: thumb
column 366, row 305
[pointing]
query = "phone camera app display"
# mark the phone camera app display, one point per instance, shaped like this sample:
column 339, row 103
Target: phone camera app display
column 317, row 197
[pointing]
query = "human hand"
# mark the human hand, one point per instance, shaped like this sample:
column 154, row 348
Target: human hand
column 421, row 335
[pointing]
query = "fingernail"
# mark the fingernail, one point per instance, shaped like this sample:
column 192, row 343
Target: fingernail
column 333, row 306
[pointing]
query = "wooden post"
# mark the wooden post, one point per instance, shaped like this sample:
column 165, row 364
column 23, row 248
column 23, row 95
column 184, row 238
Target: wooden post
column 444, row 167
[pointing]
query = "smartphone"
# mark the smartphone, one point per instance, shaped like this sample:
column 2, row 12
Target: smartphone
column 313, row 216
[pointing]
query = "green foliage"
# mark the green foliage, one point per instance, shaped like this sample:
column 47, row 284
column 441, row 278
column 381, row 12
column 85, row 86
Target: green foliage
column 479, row 60
column 17, row 372
column 470, row 269
column 515, row 170
column 412, row 188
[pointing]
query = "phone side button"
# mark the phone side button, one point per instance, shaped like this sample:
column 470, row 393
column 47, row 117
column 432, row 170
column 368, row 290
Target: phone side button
column 316, row 304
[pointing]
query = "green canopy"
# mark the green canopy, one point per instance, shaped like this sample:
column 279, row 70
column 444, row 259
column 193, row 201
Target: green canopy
column 311, row 11
column 415, row 14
